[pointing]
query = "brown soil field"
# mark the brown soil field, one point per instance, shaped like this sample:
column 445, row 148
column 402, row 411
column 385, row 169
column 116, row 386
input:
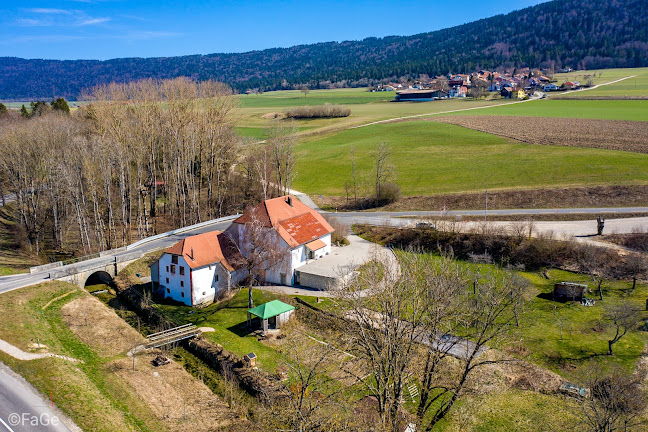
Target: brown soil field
column 178, row 400
column 593, row 196
column 606, row 134
column 99, row 327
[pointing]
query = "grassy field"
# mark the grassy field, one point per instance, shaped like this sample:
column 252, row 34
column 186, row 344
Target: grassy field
column 636, row 110
column 432, row 158
column 631, row 87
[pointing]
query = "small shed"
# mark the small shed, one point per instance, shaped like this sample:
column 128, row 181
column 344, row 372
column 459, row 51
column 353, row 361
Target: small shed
column 272, row 315
column 569, row 291
column 250, row 359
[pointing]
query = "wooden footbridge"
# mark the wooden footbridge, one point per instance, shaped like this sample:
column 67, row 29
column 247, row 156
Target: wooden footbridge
column 170, row 336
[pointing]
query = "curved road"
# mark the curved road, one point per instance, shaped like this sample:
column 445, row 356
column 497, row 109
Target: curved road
column 23, row 409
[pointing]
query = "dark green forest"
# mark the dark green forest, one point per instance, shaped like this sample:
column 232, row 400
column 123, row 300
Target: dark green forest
column 583, row 34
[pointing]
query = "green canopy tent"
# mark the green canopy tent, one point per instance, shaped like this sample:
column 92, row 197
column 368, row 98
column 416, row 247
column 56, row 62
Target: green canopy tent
column 272, row 314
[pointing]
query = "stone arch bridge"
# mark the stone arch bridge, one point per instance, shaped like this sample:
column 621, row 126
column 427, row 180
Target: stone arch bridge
column 80, row 272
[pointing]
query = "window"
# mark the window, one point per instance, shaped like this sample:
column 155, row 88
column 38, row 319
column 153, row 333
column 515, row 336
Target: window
column 167, row 280
column 181, row 283
column 216, row 278
column 168, row 291
column 182, row 294
column 174, row 259
column 172, row 269
column 167, row 269
column 204, row 293
column 181, row 271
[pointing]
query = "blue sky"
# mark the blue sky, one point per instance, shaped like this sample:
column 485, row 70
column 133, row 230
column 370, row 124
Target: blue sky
column 103, row 29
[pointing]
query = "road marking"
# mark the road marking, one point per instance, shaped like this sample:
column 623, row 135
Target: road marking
column 6, row 425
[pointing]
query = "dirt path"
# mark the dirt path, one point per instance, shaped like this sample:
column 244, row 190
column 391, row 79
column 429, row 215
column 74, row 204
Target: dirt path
column 19, row 354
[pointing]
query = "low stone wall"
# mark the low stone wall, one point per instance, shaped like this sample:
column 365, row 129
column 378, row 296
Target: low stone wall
column 45, row 267
column 218, row 358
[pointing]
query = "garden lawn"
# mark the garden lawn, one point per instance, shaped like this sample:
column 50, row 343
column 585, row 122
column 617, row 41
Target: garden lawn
column 584, row 331
column 432, row 158
column 229, row 321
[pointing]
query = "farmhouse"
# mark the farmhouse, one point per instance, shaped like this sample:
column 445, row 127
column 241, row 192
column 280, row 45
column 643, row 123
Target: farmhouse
column 295, row 231
column 195, row 270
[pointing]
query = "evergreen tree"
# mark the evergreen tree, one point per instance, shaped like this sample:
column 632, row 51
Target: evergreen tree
column 25, row 112
column 61, row 105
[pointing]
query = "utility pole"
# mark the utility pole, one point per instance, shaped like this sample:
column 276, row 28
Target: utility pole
column 486, row 207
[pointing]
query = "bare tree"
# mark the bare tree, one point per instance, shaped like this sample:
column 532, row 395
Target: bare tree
column 623, row 317
column 384, row 329
column 485, row 318
column 383, row 170
column 635, row 266
column 281, row 142
column 615, row 403
column 305, row 90
column 256, row 251
column 594, row 262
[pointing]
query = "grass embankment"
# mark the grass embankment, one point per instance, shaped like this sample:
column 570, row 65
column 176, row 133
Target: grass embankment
column 94, row 397
column 431, row 158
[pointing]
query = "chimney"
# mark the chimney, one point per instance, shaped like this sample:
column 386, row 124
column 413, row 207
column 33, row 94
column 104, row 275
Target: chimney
column 289, row 200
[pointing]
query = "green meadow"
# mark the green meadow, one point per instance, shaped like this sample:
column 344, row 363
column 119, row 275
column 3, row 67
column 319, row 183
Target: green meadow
column 635, row 86
column 434, row 158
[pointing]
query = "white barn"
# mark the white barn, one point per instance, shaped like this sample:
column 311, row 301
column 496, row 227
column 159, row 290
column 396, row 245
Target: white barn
column 298, row 233
column 194, row 270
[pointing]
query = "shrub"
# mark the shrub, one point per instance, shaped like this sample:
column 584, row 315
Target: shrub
column 319, row 111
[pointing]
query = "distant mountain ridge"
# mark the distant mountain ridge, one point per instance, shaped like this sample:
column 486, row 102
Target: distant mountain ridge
column 578, row 33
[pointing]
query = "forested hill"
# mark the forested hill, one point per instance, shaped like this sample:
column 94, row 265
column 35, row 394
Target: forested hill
column 577, row 33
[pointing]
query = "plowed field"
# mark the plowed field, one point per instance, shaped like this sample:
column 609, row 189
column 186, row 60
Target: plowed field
column 605, row 134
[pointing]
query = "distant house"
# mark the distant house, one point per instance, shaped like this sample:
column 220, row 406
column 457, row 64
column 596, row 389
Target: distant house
column 419, row 95
column 521, row 94
column 195, row 270
column 570, row 86
column 507, row 92
column 297, row 232
column 458, row 92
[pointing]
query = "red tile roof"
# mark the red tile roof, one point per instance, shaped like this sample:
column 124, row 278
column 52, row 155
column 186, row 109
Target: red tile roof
column 295, row 222
column 208, row 248
column 315, row 245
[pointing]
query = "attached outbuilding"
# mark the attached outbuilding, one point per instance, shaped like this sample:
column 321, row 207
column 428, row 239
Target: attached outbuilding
column 271, row 316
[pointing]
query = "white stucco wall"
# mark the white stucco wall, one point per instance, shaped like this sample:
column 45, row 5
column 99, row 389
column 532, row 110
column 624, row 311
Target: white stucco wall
column 172, row 283
column 294, row 258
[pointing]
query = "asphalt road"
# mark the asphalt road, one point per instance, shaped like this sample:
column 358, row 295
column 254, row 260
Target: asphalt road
column 22, row 409
column 569, row 228
column 8, row 283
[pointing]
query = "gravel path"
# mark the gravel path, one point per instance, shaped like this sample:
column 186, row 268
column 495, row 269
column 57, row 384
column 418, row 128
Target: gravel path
column 19, row 354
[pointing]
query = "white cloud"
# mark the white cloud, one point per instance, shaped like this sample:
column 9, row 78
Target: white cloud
column 49, row 11
column 91, row 21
